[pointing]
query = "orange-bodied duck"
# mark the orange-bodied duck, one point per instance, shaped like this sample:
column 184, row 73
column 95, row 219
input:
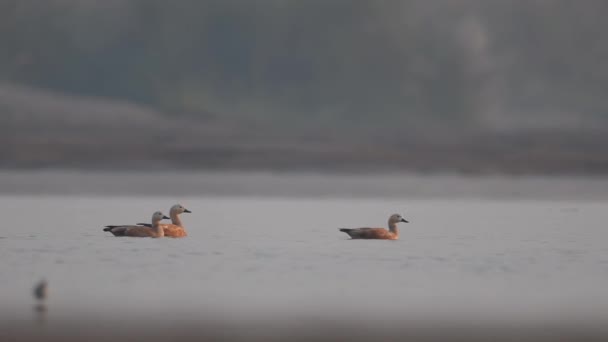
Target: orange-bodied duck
column 377, row 233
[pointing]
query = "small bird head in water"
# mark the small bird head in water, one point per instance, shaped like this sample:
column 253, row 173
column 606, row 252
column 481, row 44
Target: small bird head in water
column 40, row 290
column 157, row 216
column 178, row 209
column 396, row 218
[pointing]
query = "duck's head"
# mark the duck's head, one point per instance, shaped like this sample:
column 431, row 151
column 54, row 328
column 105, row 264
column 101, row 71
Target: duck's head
column 157, row 216
column 178, row 209
column 396, row 218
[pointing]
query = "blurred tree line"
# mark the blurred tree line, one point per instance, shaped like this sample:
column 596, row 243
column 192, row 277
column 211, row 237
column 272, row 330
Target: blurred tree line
column 369, row 63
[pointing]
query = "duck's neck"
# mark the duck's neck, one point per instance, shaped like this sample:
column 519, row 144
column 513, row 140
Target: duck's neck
column 392, row 227
column 175, row 219
column 160, row 232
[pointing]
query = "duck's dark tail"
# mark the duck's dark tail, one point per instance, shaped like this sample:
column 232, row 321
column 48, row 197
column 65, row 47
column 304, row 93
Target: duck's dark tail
column 346, row 230
column 109, row 228
column 116, row 230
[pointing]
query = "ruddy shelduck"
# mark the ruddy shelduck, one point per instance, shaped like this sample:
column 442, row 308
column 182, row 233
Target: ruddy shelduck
column 155, row 230
column 377, row 233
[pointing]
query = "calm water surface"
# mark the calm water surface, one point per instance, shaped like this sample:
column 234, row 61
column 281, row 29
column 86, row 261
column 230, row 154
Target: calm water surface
column 249, row 255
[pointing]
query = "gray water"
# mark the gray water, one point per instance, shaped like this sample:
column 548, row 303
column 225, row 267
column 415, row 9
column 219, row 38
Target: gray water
column 250, row 256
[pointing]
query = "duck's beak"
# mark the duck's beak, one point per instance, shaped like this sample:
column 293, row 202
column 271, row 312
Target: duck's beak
column 404, row 220
column 186, row 210
column 165, row 217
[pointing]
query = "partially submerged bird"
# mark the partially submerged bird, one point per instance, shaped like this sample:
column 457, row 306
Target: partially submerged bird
column 155, row 230
column 175, row 228
column 40, row 293
column 377, row 233
column 40, row 290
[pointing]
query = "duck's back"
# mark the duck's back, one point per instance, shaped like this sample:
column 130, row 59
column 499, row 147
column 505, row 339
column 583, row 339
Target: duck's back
column 170, row 230
column 369, row 233
column 139, row 231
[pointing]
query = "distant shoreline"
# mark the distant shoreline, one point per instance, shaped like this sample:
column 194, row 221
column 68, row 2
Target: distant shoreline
column 290, row 157
column 44, row 129
column 302, row 184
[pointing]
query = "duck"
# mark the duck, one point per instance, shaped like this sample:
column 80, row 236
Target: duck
column 155, row 230
column 377, row 233
column 174, row 229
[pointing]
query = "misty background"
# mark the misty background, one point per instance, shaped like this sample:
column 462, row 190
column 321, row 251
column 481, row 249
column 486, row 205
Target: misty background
column 277, row 122
column 467, row 86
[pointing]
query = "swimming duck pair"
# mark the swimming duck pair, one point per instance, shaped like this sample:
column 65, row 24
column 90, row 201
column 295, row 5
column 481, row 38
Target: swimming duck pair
column 155, row 229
